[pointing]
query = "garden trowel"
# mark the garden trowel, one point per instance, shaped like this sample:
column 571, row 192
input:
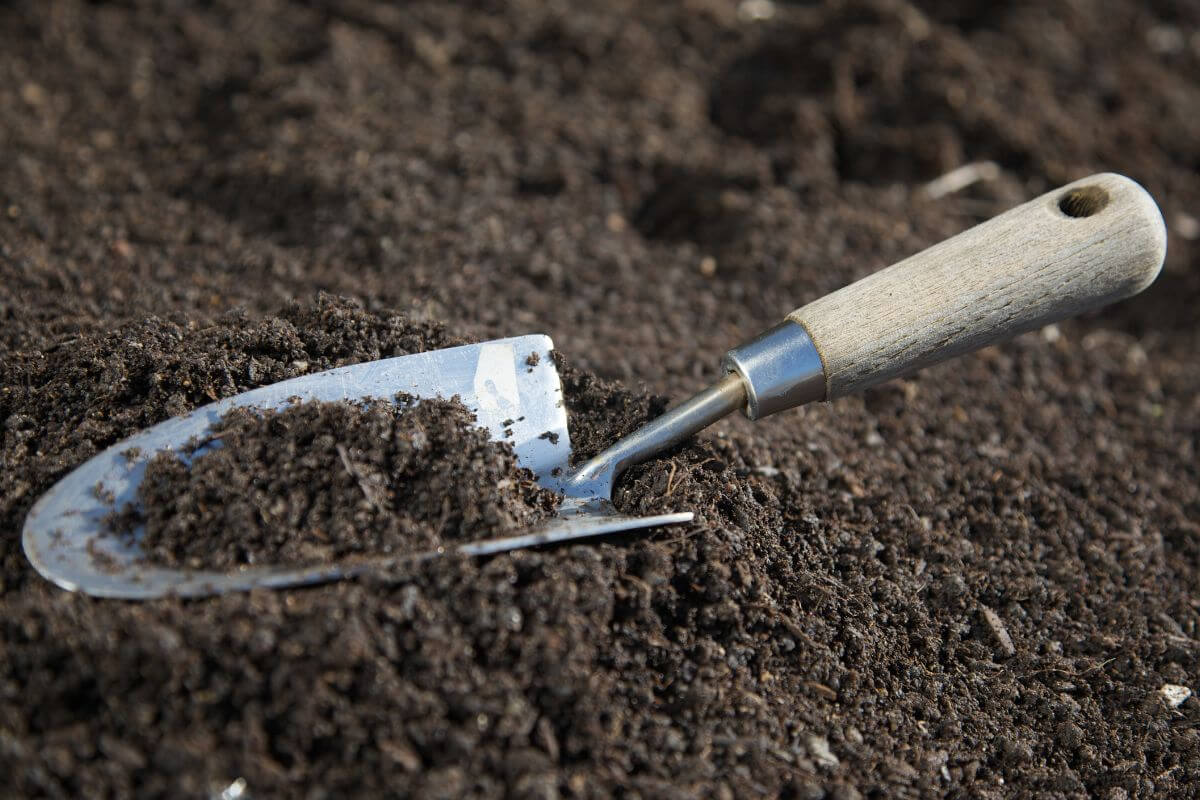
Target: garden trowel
column 1072, row 250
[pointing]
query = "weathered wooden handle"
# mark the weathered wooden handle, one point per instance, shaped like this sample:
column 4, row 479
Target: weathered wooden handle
column 1077, row 248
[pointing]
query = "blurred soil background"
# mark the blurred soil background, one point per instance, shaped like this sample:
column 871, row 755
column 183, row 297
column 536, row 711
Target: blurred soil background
column 971, row 583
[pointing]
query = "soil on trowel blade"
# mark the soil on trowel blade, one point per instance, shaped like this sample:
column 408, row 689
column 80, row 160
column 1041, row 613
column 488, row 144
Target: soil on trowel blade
column 979, row 581
column 319, row 482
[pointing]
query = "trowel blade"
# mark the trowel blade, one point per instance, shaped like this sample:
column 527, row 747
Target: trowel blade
column 510, row 384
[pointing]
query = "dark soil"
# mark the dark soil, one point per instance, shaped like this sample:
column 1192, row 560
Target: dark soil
column 319, row 482
column 973, row 582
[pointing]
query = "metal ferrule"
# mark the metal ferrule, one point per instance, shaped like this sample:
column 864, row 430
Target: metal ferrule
column 781, row 369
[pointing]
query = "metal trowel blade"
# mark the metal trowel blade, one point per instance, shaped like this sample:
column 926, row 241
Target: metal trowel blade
column 511, row 385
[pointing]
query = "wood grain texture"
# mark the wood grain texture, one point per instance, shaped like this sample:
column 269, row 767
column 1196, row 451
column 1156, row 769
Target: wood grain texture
column 1029, row 267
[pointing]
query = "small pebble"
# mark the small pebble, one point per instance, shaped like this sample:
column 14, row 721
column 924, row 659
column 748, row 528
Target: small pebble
column 1174, row 695
column 999, row 632
column 818, row 748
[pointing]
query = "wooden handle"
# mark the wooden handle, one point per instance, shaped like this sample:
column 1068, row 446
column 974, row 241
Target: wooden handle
column 1077, row 248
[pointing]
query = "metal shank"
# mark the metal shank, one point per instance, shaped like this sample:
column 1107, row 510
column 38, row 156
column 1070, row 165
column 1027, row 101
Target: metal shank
column 595, row 478
column 776, row 370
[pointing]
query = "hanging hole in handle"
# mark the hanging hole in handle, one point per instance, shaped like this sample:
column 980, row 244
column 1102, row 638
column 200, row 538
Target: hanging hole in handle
column 1083, row 201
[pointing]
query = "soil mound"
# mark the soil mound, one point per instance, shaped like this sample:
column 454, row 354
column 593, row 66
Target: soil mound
column 319, row 482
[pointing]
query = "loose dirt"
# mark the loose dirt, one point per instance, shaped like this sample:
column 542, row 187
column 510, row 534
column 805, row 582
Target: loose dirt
column 320, row 482
column 973, row 582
